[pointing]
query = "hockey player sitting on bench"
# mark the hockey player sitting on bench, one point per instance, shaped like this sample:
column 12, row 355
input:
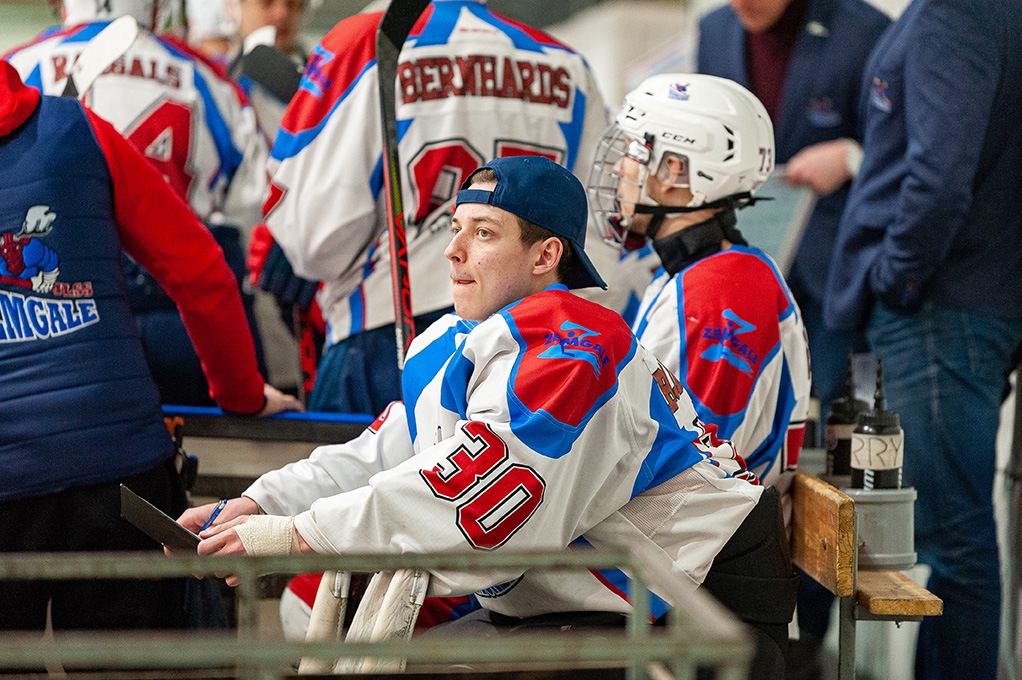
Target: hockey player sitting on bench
column 532, row 391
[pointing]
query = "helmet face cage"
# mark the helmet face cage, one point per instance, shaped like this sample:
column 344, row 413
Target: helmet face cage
column 718, row 130
column 605, row 187
column 618, row 181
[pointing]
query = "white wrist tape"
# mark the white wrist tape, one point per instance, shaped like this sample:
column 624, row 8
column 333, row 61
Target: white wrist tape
column 853, row 156
column 269, row 535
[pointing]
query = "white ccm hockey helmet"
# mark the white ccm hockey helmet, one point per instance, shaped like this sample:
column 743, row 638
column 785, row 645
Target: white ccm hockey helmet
column 154, row 15
column 719, row 133
column 212, row 19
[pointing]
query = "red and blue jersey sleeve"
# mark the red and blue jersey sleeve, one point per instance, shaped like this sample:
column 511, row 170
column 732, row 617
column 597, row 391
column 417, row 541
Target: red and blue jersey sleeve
column 567, row 368
column 729, row 306
column 327, row 80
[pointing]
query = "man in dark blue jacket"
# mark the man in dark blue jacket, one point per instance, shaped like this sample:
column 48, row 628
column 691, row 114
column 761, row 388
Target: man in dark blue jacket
column 929, row 262
column 803, row 59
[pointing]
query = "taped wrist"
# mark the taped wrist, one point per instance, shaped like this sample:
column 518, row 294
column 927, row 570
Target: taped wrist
column 269, row 535
column 853, row 156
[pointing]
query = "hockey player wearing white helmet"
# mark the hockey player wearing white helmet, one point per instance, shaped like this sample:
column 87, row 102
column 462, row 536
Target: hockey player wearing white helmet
column 684, row 153
column 192, row 124
column 568, row 419
column 706, row 135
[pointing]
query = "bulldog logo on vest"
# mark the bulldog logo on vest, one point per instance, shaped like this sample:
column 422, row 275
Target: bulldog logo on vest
column 27, row 263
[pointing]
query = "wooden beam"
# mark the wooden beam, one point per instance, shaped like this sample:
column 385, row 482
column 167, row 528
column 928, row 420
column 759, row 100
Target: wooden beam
column 823, row 533
column 891, row 593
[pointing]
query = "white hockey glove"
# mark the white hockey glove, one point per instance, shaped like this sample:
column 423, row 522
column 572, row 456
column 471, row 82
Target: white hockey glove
column 269, row 535
column 43, row 281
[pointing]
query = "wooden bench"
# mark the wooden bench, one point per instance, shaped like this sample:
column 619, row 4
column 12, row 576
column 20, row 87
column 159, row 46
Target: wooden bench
column 824, row 539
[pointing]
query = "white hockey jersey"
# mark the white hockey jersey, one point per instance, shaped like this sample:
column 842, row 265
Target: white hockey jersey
column 728, row 327
column 193, row 125
column 547, row 426
column 472, row 86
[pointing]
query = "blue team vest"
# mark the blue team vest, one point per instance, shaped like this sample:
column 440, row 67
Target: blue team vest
column 77, row 403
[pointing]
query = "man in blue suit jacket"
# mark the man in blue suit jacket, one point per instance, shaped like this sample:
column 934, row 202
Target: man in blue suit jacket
column 929, row 260
column 804, row 60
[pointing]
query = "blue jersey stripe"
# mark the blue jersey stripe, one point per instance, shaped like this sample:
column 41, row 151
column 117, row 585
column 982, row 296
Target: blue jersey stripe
column 87, row 32
column 445, row 16
column 572, row 129
column 425, row 364
column 672, row 451
column 288, row 144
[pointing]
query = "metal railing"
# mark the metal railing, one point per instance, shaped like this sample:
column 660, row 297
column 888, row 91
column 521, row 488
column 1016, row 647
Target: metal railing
column 701, row 632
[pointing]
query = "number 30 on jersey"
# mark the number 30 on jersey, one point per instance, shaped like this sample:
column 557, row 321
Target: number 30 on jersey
column 490, row 511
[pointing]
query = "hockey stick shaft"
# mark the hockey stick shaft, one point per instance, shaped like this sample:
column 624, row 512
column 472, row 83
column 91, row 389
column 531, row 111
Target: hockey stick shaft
column 98, row 54
column 394, row 28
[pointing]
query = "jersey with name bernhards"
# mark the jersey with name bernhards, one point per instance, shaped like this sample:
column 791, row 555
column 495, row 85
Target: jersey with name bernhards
column 471, row 86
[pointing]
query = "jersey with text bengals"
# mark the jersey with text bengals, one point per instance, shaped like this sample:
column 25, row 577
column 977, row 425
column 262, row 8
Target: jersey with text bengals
column 194, row 126
column 545, row 427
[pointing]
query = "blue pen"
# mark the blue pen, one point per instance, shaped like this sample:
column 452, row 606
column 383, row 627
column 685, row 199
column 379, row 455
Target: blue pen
column 216, row 511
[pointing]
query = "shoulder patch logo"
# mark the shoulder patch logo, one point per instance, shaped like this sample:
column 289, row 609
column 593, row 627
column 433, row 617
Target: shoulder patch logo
column 878, row 95
column 729, row 346
column 577, row 343
column 315, row 81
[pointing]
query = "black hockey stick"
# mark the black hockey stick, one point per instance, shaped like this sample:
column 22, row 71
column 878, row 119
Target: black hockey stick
column 394, row 28
column 273, row 70
column 98, row 54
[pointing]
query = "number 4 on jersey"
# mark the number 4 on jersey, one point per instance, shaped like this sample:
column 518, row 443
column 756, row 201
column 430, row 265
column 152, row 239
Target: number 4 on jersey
column 164, row 136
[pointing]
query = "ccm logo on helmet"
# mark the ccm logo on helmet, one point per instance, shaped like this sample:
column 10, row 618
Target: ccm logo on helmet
column 678, row 139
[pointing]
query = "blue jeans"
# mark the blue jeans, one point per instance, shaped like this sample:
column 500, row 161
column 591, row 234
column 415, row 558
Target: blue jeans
column 359, row 374
column 945, row 373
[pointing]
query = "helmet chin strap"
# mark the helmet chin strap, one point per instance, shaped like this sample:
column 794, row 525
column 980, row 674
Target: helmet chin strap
column 659, row 212
column 682, row 248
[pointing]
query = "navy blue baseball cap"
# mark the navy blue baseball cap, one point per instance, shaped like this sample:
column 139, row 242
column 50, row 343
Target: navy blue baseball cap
column 546, row 194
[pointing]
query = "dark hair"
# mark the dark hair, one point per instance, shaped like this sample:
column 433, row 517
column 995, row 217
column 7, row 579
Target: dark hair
column 533, row 233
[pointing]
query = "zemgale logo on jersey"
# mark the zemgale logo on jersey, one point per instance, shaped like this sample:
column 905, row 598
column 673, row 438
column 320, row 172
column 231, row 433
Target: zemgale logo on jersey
column 729, row 346
column 27, row 263
column 315, row 80
column 577, row 343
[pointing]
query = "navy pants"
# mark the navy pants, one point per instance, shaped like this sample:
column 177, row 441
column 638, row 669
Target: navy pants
column 86, row 519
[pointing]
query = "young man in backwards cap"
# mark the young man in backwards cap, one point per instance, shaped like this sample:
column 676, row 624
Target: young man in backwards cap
column 532, row 420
